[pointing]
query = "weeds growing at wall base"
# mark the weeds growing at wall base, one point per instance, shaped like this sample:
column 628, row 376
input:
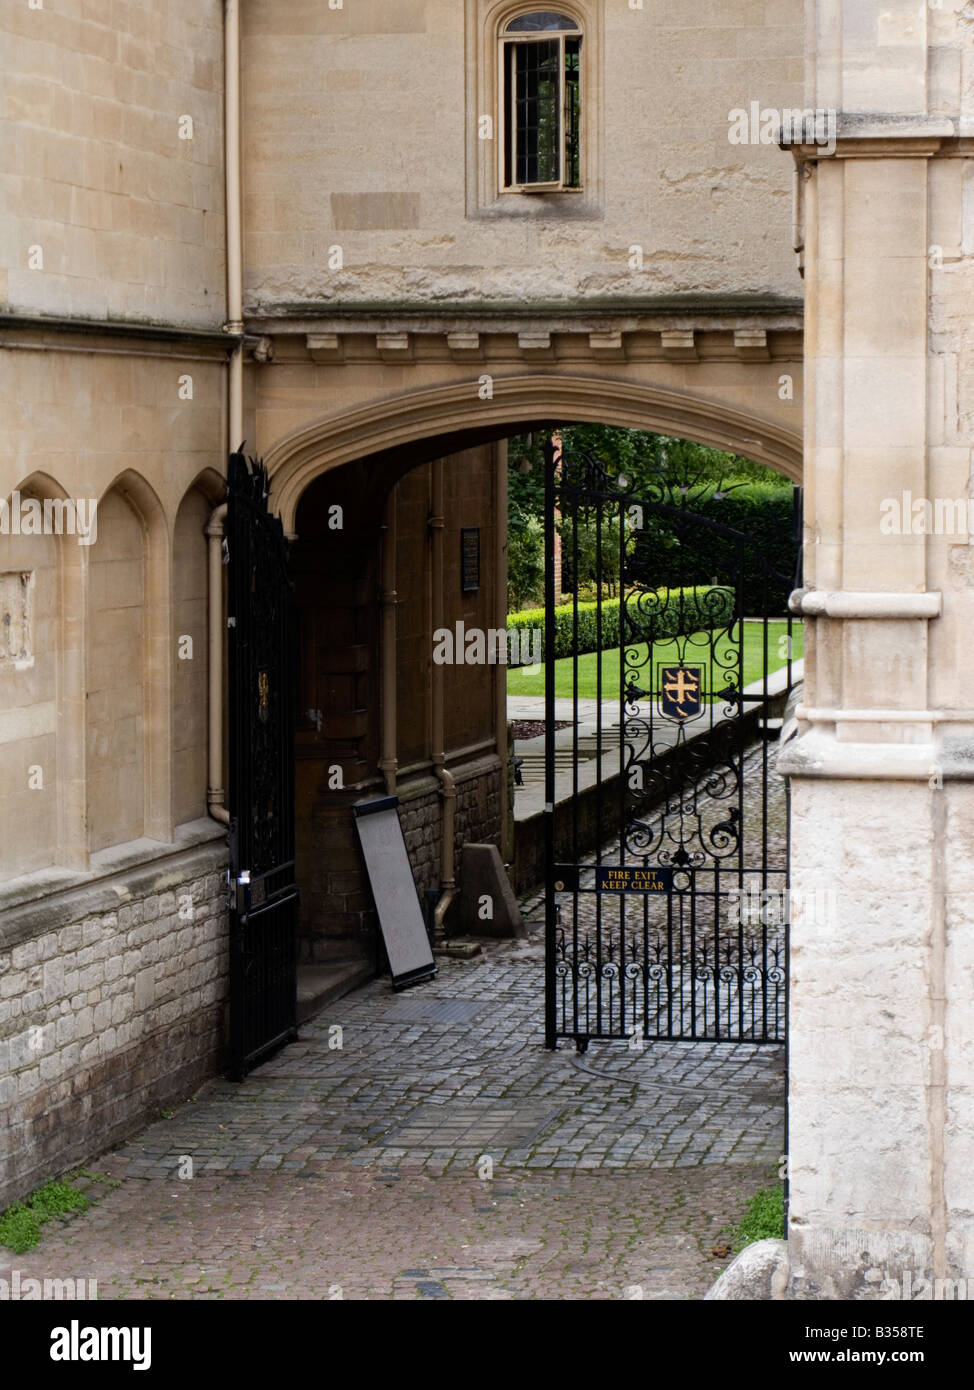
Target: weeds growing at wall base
column 22, row 1222
column 764, row 1218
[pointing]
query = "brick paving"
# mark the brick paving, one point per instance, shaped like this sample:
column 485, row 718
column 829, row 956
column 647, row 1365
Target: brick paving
column 425, row 1145
column 371, row 1233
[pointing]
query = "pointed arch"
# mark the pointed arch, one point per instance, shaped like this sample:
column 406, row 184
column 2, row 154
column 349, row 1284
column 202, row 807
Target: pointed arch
column 444, row 415
column 190, row 654
column 152, row 662
column 69, row 848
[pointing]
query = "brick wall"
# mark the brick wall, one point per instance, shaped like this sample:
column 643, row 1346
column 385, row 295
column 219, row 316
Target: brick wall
column 112, row 1003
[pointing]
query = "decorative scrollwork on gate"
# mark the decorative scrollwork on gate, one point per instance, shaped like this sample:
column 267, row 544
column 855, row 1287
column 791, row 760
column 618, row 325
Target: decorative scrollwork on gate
column 651, row 949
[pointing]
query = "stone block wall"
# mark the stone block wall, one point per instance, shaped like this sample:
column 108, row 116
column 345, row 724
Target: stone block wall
column 338, row 920
column 881, row 1036
column 420, row 815
column 479, row 807
column 478, row 818
column 410, row 194
column 112, row 159
column 112, row 999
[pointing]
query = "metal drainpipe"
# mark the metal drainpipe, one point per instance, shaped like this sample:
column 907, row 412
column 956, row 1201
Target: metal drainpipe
column 500, row 618
column 798, row 218
column 234, row 215
column 231, row 123
column 388, row 761
column 448, row 789
column 214, row 531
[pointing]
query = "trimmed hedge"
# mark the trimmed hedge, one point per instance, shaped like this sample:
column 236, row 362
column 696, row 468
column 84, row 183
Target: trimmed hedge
column 681, row 553
column 652, row 617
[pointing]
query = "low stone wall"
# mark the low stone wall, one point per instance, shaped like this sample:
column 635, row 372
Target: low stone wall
column 112, row 1005
column 590, row 819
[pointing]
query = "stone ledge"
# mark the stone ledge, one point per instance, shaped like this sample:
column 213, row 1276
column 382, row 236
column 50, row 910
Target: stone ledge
column 412, row 786
column 821, row 753
column 849, row 603
column 319, row 985
column 28, row 905
column 817, row 753
column 477, row 315
column 184, row 334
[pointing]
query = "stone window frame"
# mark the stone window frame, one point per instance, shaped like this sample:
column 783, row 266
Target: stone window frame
column 508, row 129
column 486, row 195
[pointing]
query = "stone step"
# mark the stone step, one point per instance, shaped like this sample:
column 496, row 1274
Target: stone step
column 319, row 985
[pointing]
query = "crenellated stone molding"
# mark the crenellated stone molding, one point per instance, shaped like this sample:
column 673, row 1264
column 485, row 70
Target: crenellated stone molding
column 538, row 342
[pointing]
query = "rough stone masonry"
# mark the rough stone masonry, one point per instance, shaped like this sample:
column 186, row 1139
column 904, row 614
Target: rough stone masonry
column 109, row 1017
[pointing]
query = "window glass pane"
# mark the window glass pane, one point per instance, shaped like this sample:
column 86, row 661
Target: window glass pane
column 573, row 173
column 537, row 114
column 542, row 19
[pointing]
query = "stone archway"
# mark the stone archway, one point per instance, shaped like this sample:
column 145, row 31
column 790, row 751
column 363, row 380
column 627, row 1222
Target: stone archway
column 354, row 457
column 442, row 417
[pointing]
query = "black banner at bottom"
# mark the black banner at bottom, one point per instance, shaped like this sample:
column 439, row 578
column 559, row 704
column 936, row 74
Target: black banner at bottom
column 184, row 1338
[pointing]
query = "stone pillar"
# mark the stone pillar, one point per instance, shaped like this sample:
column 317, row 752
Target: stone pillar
column 881, row 1151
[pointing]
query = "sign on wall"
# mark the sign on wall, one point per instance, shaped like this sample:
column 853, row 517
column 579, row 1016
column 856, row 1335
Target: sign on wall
column 470, row 559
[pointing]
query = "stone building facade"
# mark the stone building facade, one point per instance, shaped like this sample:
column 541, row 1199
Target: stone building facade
column 299, row 226
column 882, row 1031
column 197, row 250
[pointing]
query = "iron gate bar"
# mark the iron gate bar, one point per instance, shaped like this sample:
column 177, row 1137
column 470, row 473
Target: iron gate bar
column 551, row 1027
column 688, row 976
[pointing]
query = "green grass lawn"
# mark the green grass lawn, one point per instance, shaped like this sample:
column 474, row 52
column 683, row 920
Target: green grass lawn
column 520, row 682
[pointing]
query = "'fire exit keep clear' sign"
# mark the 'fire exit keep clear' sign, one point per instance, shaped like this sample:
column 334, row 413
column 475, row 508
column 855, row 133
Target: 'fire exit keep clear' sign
column 613, row 878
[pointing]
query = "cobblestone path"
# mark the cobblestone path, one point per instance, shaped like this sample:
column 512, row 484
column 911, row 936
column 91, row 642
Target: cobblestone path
column 355, row 1162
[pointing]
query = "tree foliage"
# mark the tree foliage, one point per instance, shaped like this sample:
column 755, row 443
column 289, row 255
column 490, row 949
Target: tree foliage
column 653, row 465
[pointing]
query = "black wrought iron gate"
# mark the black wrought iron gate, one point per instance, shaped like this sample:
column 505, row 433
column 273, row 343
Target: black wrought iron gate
column 675, row 924
column 264, row 895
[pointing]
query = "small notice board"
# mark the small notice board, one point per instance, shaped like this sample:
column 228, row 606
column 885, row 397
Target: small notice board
column 396, row 901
